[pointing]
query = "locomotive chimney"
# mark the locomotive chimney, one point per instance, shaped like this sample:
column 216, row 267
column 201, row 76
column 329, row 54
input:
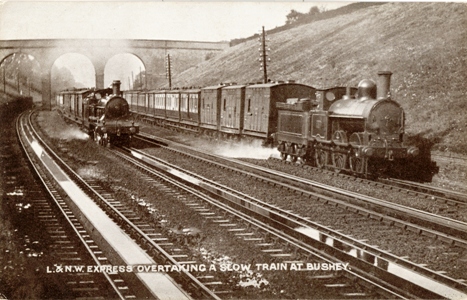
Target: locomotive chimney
column 116, row 87
column 347, row 93
column 384, row 84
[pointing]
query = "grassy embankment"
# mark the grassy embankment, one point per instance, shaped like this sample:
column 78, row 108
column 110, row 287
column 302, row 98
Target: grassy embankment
column 423, row 44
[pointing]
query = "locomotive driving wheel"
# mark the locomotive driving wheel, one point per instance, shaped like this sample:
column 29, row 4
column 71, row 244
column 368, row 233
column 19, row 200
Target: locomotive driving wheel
column 321, row 157
column 97, row 138
column 339, row 160
column 283, row 156
column 357, row 163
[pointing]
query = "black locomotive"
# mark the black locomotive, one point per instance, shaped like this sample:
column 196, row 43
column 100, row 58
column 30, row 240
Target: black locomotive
column 104, row 113
column 359, row 130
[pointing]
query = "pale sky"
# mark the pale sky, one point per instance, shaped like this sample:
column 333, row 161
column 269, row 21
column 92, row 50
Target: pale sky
column 155, row 20
column 197, row 21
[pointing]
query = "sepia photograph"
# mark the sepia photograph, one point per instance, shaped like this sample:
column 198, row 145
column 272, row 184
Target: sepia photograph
column 233, row 150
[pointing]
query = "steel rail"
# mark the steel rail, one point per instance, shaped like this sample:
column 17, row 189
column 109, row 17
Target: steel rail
column 445, row 227
column 50, row 192
column 296, row 221
column 119, row 216
column 262, row 225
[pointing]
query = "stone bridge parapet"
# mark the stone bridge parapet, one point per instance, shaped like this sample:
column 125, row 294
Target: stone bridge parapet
column 151, row 53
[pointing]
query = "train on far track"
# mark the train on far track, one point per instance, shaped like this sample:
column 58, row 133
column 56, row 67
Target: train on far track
column 360, row 130
column 103, row 113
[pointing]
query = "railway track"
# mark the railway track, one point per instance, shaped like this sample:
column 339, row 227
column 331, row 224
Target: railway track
column 334, row 283
column 65, row 240
column 388, row 220
column 363, row 252
column 431, row 193
column 441, row 195
column 444, row 227
column 134, row 226
column 267, row 235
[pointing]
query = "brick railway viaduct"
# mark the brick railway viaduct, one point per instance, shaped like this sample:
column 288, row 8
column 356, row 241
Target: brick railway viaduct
column 151, row 53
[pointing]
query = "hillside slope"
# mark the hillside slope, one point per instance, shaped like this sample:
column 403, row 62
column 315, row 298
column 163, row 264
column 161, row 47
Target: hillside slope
column 423, row 44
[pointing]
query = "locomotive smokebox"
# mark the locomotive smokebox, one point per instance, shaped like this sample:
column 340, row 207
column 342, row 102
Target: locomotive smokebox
column 384, row 84
column 116, row 87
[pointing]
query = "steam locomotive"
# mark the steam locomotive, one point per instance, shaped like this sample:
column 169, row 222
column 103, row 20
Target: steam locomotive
column 103, row 113
column 358, row 130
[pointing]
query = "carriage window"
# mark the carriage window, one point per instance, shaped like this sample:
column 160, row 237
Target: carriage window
column 249, row 105
column 225, row 103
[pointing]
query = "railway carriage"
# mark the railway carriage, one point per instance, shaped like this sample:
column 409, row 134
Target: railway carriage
column 142, row 103
column 210, row 108
column 150, row 102
column 189, row 108
column 132, row 98
column 172, row 105
column 231, row 110
column 159, row 104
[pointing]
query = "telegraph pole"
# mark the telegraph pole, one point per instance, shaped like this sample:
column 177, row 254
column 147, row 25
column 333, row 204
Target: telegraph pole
column 263, row 56
column 4, row 78
column 169, row 70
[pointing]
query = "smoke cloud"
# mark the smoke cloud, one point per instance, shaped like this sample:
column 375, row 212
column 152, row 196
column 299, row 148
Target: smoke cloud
column 245, row 150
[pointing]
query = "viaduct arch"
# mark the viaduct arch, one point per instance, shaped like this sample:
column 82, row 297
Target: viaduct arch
column 150, row 52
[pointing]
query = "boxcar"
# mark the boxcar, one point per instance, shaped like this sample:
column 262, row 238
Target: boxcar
column 209, row 110
column 231, row 111
column 260, row 106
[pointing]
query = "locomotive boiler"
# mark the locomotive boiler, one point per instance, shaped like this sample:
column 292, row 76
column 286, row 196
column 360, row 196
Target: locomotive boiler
column 358, row 130
column 104, row 113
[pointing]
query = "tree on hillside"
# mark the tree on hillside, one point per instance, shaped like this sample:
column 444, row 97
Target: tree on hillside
column 293, row 17
column 22, row 70
column 314, row 11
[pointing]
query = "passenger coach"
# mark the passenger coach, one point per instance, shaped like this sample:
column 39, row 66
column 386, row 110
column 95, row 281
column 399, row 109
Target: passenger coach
column 229, row 110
